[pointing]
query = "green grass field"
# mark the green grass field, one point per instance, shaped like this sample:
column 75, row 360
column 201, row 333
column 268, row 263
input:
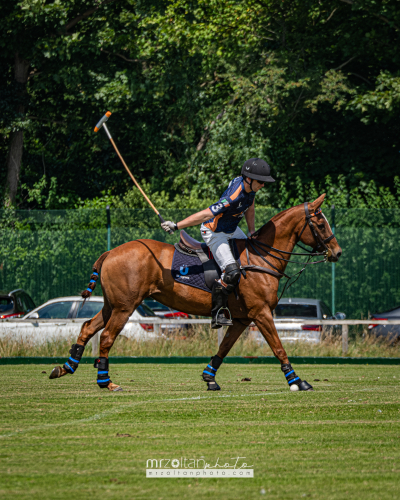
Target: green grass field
column 67, row 438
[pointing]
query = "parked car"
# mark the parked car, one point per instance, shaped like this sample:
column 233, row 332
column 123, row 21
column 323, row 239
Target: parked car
column 15, row 304
column 46, row 321
column 293, row 319
column 391, row 332
column 166, row 312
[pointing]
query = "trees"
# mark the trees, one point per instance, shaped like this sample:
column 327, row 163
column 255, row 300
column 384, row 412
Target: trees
column 196, row 87
column 300, row 83
column 39, row 43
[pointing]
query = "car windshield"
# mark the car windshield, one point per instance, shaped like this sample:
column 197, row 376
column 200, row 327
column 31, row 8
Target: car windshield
column 28, row 302
column 57, row 310
column 89, row 309
column 144, row 310
column 156, row 306
column 6, row 304
column 296, row 311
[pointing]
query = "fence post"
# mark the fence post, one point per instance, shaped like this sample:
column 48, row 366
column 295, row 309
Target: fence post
column 220, row 335
column 333, row 264
column 345, row 339
column 95, row 345
column 108, row 227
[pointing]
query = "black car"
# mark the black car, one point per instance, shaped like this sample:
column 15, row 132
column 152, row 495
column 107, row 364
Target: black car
column 15, row 304
column 391, row 332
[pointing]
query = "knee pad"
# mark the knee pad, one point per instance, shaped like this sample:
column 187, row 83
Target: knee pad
column 232, row 275
column 102, row 372
column 76, row 353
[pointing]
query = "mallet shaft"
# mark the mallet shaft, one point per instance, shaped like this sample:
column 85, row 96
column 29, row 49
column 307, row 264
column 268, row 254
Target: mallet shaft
column 102, row 123
column 133, row 178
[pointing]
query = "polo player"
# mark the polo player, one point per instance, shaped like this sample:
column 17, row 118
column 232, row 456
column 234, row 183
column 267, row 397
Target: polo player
column 219, row 224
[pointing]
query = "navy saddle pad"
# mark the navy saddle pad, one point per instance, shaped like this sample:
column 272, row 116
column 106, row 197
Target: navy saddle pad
column 188, row 269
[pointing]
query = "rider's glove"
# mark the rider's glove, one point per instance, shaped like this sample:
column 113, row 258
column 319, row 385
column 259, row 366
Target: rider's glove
column 169, row 226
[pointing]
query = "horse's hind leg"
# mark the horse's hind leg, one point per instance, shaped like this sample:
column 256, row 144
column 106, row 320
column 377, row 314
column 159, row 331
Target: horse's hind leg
column 113, row 328
column 88, row 330
column 231, row 336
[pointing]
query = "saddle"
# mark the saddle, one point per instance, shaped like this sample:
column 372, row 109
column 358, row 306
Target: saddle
column 189, row 246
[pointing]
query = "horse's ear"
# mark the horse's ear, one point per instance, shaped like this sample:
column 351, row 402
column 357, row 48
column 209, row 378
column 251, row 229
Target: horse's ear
column 318, row 202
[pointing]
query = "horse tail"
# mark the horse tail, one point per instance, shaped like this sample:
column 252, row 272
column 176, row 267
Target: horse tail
column 86, row 294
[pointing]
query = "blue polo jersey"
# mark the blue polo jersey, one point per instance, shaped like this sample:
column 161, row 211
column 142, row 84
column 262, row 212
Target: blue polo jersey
column 230, row 208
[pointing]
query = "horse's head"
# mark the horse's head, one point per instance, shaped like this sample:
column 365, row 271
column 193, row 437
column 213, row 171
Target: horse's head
column 316, row 232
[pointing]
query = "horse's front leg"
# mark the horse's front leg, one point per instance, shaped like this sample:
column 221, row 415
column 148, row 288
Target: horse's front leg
column 266, row 325
column 231, row 336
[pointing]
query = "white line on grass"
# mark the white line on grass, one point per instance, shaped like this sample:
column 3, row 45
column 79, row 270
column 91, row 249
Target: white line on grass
column 107, row 413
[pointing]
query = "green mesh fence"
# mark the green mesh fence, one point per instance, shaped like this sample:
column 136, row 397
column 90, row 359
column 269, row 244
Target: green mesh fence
column 51, row 253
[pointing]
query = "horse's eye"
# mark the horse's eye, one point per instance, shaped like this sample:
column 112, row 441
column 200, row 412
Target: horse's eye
column 321, row 226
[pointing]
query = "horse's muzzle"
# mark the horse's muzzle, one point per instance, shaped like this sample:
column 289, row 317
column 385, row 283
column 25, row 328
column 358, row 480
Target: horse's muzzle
column 334, row 255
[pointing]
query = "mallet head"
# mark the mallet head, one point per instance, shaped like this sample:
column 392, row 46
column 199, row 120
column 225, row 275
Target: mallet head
column 102, row 121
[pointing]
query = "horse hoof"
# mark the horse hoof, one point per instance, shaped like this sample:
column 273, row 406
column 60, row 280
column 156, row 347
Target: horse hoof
column 114, row 387
column 213, row 386
column 305, row 386
column 56, row 372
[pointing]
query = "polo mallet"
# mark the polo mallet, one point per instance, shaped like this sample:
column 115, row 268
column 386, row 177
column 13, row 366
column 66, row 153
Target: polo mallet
column 102, row 123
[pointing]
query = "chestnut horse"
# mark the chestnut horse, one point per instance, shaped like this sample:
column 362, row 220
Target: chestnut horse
column 142, row 268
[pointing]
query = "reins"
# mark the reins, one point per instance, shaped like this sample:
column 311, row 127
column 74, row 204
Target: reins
column 310, row 253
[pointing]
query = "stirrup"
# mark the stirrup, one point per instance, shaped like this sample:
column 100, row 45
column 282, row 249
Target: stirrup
column 219, row 322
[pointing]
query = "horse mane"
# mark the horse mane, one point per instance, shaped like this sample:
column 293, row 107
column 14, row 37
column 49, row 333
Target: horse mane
column 276, row 218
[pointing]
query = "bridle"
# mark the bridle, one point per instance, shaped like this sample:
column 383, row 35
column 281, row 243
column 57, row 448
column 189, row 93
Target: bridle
column 320, row 243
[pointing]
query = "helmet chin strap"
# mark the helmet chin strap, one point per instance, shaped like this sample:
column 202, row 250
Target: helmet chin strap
column 249, row 183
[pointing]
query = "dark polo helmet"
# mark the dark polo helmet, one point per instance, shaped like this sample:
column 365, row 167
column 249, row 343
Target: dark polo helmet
column 257, row 169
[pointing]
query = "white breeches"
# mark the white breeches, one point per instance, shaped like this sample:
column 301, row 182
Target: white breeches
column 218, row 243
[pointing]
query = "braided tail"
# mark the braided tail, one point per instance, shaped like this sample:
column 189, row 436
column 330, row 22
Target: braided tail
column 86, row 294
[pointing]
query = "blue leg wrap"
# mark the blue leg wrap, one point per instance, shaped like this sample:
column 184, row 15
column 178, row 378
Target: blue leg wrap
column 290, row 374
column 293, row 379
column 76, row 353
column 103, row 378
column 211, row 369
column 209, row 373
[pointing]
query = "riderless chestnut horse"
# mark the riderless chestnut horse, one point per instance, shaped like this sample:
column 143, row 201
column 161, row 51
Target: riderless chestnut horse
column 142, row 268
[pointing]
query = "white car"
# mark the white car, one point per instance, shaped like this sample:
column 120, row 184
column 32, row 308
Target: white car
column 63, row 317
column 293, row 318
